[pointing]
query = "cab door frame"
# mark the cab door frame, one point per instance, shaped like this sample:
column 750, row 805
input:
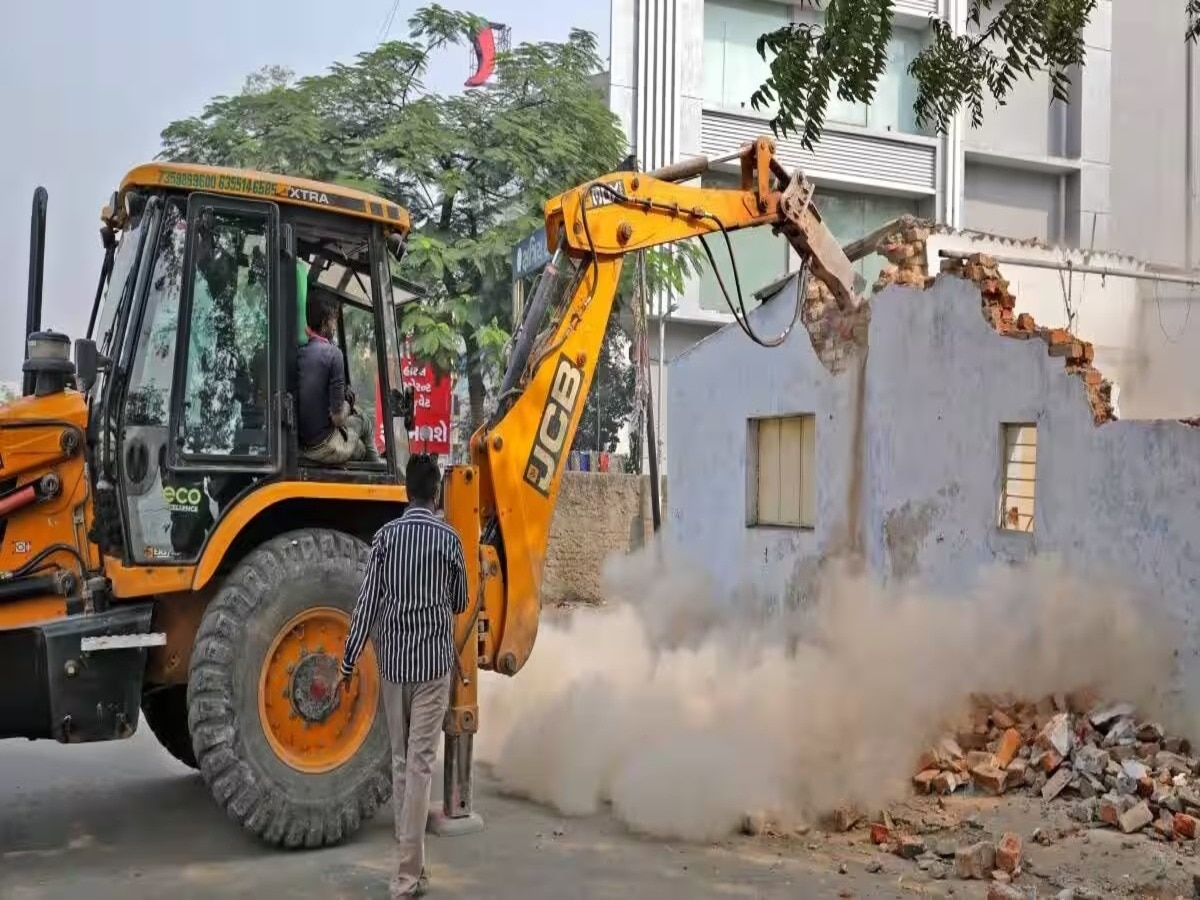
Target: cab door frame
column 185, row 463
column 302, row 219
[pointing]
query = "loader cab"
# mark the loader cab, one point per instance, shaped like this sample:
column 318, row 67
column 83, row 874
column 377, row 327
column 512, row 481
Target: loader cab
column 190, row 365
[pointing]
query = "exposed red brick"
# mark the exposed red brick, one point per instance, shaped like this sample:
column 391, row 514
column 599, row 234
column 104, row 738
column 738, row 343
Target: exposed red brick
column 923, row 780
column 991, row 779
column 1010, row 743
column 998, row 303
column 1008, row 853
column 1186, row 826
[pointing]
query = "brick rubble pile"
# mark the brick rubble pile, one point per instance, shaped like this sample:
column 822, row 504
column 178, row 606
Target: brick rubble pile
column 1109, row 768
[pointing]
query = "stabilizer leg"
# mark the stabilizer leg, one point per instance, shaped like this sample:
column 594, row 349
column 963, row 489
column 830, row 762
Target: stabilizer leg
column 457, row 815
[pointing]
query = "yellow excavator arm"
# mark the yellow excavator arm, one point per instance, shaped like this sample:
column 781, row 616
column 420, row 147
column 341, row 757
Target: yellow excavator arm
column 502, row 504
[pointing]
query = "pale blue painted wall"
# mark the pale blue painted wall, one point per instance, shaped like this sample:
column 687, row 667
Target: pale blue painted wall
column 1121, row 499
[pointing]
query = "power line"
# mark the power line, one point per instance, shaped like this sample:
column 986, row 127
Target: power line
column 386, row 28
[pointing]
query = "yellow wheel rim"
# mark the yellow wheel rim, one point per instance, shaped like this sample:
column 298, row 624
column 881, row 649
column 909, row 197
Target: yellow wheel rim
column 308, row 724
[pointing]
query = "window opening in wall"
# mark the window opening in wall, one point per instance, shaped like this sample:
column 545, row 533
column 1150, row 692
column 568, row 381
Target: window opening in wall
column 781, row 482
column 1018, row 477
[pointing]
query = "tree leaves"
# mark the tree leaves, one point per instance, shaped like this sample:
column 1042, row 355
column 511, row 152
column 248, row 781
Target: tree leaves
column 847, row 55
column 474, row 169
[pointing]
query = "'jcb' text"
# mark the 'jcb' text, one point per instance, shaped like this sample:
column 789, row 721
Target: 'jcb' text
column 603, row 194
column 551, row 438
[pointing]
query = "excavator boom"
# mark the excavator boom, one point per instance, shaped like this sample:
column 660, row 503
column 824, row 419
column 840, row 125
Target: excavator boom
column 627, row 211
column 503, row 503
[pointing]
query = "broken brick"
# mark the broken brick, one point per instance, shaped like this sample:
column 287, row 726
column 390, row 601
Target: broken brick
column 946, row 783
column 1136, row 818
column 1057, row 336
column 1025, row 323
column 1008, row 853
column 1057, row 784
column 1049, row 761
column 1001, row 719
column 975, row 861
column 1010, row 743
column 923, row 781
column 1185, row 826
column 1056, row 735
column 880, row 834
column 991, row 779
column 1112, row 807
column 979, row 758
column 1091, row 760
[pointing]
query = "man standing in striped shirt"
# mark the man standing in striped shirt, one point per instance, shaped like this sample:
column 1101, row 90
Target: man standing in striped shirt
column 415, row 584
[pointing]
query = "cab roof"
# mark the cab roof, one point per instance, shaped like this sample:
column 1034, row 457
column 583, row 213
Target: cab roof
column 263, row 185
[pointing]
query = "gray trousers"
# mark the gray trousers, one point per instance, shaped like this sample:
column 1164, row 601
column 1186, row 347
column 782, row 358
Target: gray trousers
column 354, row 442
column 415, row 713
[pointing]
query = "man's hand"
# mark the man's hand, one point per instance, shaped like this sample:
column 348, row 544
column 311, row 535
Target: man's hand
column 344, row 679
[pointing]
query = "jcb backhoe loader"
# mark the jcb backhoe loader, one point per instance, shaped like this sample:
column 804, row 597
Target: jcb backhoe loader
column 167, row 548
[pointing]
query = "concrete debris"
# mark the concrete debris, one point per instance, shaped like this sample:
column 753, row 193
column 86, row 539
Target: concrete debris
column 1108, row 768
column 1112, row 768
column 999, row 891
column 975, row 861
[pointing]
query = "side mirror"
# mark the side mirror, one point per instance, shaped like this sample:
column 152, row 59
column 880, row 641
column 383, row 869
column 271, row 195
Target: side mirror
column 404, row 405
column 87, row 363
column 397, row 243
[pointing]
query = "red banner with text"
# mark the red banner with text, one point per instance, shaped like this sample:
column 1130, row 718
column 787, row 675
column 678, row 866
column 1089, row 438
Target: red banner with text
column 432, row 402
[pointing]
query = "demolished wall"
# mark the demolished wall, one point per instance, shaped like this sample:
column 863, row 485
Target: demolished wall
column 946, row 367
column 1145, row 339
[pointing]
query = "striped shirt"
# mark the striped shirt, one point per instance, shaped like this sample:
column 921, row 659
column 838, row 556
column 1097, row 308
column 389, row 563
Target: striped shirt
column 416, row 582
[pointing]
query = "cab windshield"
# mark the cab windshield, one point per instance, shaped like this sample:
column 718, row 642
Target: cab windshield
column 123, row 264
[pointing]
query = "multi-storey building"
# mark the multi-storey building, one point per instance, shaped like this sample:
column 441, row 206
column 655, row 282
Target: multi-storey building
column 1112, row 170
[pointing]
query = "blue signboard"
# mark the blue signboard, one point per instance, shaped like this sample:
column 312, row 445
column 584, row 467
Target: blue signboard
column 531, row 255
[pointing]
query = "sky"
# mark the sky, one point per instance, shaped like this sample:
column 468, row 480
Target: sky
column 86, row 88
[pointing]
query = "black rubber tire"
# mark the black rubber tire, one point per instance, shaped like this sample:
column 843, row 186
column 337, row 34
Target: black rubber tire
column 280, row 805
column 166, row 712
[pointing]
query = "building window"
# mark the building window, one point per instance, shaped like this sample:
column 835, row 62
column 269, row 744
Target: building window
column 1019, row 477
column 782, row 472
column 733, row 69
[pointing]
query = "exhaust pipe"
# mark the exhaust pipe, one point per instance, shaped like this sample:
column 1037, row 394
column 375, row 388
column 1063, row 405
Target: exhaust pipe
column 37, row 268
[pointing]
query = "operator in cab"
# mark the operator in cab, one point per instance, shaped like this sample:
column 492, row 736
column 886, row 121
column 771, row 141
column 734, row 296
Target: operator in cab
column 331, row 431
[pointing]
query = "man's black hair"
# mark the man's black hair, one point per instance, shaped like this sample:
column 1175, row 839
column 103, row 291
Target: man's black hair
column 320, row 310
column 422, row 476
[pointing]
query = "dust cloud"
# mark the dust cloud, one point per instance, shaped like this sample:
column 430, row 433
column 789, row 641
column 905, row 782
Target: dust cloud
column 685, row 713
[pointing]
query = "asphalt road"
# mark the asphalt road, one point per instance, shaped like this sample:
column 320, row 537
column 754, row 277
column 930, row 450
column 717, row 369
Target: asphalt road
column 123, row 821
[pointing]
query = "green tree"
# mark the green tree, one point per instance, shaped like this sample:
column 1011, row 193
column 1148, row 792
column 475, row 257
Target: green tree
column 846, row 54
column 609, row 406
column 474, row 169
